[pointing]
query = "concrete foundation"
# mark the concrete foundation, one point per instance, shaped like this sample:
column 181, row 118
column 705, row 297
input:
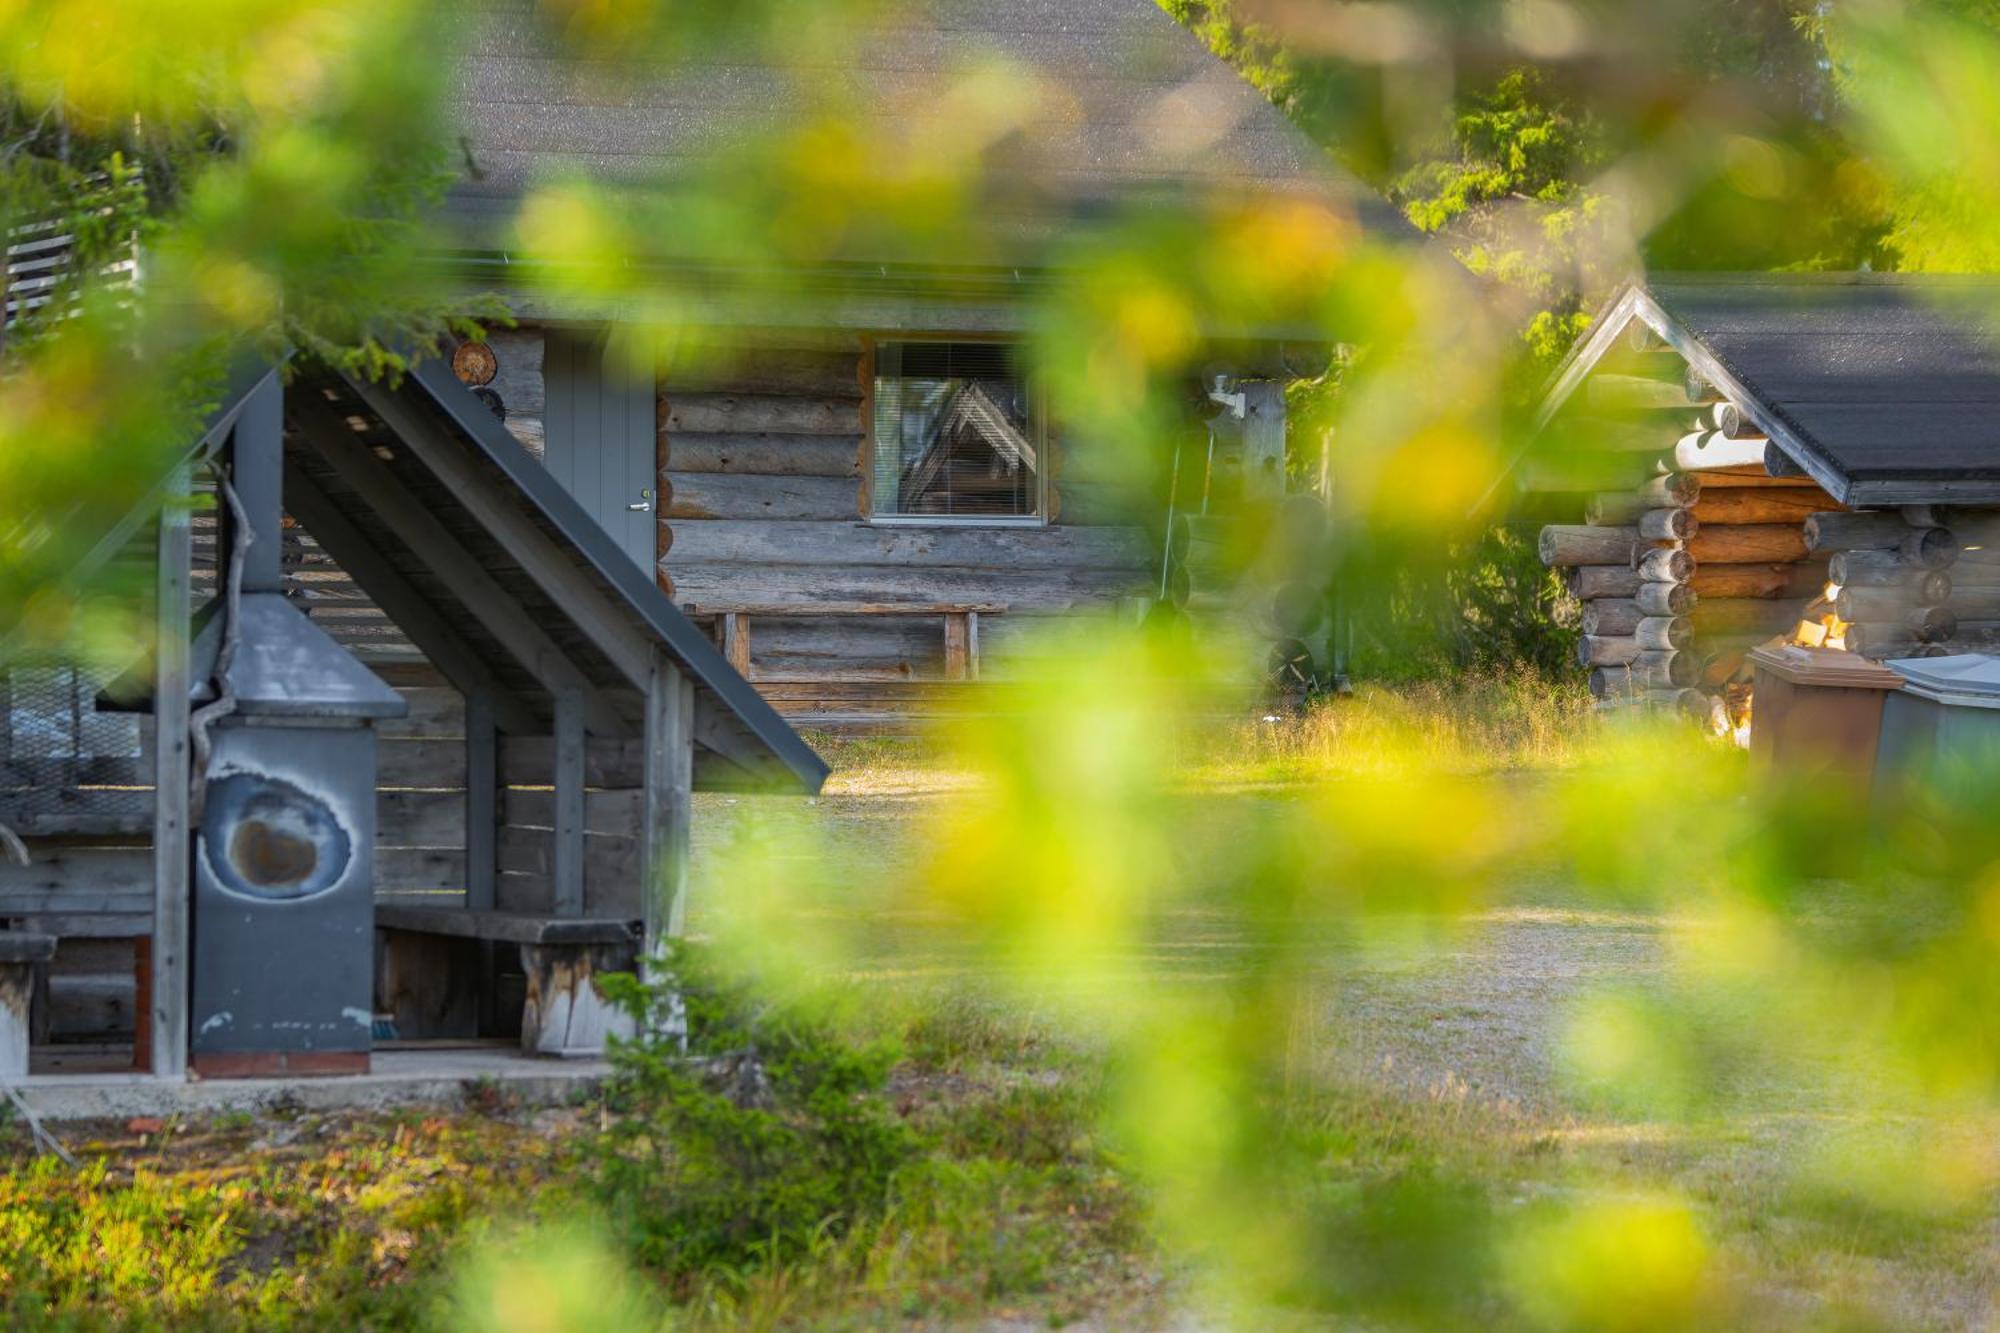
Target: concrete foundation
column 432, row 1076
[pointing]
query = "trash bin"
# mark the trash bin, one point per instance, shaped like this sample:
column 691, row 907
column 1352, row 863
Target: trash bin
column 1816, row 714
column 1946, row 717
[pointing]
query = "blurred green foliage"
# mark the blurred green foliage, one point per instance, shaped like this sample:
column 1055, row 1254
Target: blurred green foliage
column 1821, row 963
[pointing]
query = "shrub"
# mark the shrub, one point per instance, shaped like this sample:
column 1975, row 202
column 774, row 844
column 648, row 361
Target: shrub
column 768, row 1136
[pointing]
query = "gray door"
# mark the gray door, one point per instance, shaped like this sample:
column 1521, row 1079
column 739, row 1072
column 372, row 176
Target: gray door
column 600, row 439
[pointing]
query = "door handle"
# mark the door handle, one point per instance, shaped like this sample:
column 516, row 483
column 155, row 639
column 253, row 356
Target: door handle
column 643, row 507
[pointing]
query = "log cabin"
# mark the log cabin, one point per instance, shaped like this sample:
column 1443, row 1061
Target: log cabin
column 441, row 663
column 865, row 500
column 1742, row 459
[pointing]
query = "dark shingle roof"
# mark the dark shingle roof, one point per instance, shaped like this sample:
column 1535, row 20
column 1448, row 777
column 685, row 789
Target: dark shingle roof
column 1130, row 102
column 1886, row 387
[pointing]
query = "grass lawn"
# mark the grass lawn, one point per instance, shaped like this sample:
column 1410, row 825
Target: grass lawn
column 1433, row 1054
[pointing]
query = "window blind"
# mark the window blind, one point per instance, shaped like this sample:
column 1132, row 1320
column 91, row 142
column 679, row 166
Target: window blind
column 955, row 432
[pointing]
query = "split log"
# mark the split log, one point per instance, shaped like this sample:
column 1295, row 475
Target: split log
column 1574, row 544
column 1614, row 615
column 1590, row 582
column 1663, row 632
column 1712, row 449
column 1781, row 464
column 1728, row 617
column 1636, row 393
column 1667, row 525
column 1665, row 599
column 1933, row 548
column 1871, row 529
column 1756, row 580
column 1791, row 505
column 1748, row 543
column 1612, row 650
column 1665, row 565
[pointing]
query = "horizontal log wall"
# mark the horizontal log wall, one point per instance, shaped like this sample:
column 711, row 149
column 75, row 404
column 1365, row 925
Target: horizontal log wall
column 1699, row 556
column 763, row 476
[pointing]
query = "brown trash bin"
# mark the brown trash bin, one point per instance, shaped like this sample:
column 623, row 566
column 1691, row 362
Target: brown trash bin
column 1816, row 714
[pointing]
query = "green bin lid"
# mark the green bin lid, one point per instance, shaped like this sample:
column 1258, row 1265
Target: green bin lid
column 1968, row 680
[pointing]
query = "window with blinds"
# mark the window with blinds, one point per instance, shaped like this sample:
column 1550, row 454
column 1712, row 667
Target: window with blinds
column 955, row 433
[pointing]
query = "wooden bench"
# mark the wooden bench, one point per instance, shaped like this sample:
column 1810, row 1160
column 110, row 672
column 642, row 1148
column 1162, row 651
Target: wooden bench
column 961, row 625
column 23, row 957
column 434, row 974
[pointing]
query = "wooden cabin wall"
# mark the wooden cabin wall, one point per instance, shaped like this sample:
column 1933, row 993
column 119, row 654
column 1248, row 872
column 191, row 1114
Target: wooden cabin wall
column 1714, row 545
column 761, row 500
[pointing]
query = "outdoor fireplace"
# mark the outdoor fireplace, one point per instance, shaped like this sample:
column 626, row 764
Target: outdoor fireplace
column 283, row 913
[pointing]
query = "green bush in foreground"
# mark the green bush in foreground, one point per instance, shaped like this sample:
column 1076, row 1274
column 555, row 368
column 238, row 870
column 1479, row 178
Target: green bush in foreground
column 763, row 1138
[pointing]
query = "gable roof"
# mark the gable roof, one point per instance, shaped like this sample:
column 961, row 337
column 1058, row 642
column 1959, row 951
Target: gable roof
column 1885, row 388
column 492, row 568
column 1131, row 103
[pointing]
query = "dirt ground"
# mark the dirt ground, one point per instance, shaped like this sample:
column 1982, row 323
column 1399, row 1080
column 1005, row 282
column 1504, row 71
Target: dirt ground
column 1477, row 1020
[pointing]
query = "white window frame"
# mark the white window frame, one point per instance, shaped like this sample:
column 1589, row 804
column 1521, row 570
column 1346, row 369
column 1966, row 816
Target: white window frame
column 1038, row 426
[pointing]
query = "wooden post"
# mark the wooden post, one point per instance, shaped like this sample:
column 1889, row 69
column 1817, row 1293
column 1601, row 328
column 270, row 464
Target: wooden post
column 482, row 800
column 736, row 641
column 1263, row 440
column 957, row 646
column 482, row 823
column 669, row 808
column 173, row 859
column 567, row 857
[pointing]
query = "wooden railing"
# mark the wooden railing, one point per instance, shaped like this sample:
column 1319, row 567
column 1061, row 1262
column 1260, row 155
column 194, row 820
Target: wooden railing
column 961, row 625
